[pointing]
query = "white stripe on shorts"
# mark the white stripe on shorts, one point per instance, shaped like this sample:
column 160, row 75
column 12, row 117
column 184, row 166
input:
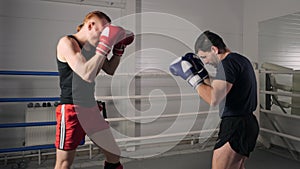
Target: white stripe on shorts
column 62, row 128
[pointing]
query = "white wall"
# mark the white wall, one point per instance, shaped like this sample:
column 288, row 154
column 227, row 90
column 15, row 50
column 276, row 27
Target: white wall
column 223, row 17
column 256, row 11
column 30, row 30
column 279, row 41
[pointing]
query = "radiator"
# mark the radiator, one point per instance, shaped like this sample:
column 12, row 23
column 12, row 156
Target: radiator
column 40, row 135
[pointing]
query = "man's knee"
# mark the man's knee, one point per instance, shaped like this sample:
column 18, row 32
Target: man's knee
column 226, row 158
column 64, row 159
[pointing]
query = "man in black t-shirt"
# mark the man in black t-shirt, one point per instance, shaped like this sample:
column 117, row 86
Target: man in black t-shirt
column 234, row 90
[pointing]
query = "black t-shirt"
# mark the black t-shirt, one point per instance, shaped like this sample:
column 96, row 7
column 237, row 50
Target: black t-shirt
column 242, row 98
column 74, row 90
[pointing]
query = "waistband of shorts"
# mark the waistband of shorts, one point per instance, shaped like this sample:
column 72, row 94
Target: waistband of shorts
column 78, row 106
column 248, row 115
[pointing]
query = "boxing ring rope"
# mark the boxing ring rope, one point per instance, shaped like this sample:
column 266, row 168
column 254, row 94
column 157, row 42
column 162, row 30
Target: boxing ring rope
column 143, row 96
column 38, row 73
column 32, row 124
column 38, row 99
column 280, row 114
column 271, row 93
column 51, row 123
column 281, row 134
column 289, row 72
column 29, row 73
column 280, row 93
column 161, row 116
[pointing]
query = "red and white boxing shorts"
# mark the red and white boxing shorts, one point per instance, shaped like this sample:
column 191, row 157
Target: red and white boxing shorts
column 74, row 122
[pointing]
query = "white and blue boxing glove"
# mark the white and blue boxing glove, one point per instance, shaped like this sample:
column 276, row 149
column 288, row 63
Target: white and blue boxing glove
column 189, row 68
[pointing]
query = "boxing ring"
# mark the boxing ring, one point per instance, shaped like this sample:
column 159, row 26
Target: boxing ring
column 280, row 107
column 272, row 131
column 127, row 143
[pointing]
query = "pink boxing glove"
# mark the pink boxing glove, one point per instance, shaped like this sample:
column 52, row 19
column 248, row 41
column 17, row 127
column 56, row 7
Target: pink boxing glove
column 125, row 40
column 109, row 37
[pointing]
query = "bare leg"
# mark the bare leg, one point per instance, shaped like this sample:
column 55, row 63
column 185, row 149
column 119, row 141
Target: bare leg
column 110, row 157
column 64, row 159
column 105, row 140
column 226, row 158
column 243, row 163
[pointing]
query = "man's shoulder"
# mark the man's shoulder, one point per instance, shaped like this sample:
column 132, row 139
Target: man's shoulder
column 64, row 40
column 238, row 57
column 68, row 41
column 235, row 55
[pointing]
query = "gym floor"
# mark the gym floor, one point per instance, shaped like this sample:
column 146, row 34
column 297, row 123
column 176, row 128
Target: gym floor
column 261, row 158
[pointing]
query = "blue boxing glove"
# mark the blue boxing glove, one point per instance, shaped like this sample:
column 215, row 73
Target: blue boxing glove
column 190, row 69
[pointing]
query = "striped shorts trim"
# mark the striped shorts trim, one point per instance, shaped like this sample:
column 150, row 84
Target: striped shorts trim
column 69, row 132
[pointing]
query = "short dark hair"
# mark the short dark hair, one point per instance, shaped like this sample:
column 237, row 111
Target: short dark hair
column 208, row 39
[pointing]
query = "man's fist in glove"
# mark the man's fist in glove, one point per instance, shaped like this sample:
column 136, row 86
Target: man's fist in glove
column 124, row 41
column 190, row 69
column 109, row 37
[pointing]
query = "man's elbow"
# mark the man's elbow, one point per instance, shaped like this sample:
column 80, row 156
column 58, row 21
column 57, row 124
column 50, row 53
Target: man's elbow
column 88, row 78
